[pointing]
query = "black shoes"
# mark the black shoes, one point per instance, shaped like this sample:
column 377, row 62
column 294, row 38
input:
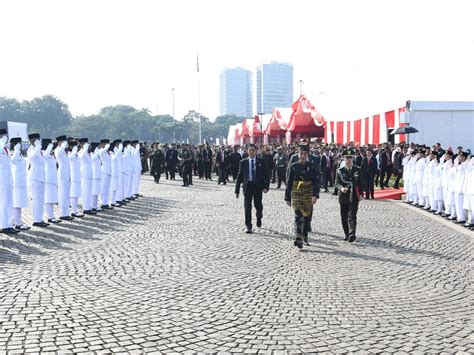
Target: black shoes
column 90, row 213
column 40, row 224
column 259, row 223
column 10, row 231
column 67, row 218
column 77, row 215
column 346, row 238
column 298, row 243
column 22, row 227
column 249, row 230
column 352, row 238
column 107, row 207
column 54, row 220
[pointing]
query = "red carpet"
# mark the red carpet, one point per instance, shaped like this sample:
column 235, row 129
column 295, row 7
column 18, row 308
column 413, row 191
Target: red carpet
column 389, row 194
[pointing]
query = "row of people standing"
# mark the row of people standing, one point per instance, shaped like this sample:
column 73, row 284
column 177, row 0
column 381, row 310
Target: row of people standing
column 64, row 173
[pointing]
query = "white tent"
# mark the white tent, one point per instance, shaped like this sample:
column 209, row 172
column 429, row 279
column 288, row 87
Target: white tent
column 450, row 123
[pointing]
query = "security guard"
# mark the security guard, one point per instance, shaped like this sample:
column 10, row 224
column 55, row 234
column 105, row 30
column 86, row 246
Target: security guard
column 302, row 192
column 349, row 183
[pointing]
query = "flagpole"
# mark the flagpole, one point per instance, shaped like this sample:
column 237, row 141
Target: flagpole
column 199, row 99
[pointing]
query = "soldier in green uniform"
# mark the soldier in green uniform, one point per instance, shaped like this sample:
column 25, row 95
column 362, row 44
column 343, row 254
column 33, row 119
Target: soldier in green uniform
column 185, row 157
column 302, row 192
column 280, row 161
column 349, row 183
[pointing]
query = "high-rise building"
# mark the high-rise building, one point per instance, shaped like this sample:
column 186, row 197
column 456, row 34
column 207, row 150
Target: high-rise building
column 274, row 86
column 236, row 92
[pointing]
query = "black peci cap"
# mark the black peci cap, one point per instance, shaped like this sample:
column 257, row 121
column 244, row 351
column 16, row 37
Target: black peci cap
column 117, row 141
column 94, row 145
column 61, row 138
column 83, row 140
column 102, row 141
column 15, row 140
column 33, row 136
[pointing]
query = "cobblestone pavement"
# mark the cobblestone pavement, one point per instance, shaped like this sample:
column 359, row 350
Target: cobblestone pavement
column 175, row 272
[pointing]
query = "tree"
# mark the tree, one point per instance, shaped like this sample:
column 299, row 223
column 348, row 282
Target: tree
column 47, row 115
column 11, row 110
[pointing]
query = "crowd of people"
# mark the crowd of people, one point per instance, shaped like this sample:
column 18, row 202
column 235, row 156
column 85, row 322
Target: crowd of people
column 61, row 175
column 435, row 179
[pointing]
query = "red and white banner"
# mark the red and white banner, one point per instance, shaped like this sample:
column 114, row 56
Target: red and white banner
column 370, row 130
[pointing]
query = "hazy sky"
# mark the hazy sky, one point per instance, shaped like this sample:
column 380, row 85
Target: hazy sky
column 365, row 56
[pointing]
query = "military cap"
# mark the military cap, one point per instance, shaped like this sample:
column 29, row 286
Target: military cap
column 33, row 136
column 61, row 138
column 304, row 147
column 464, row 154
column 3, row 131
column 414, row 152
column 15, row 140
column 94, row 145
column 348, row 153
column 83, row 140
column 104, row 141
column 117, row 141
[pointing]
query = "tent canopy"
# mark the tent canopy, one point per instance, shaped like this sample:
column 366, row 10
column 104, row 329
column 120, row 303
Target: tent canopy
column 305, row 118
column 275, row 124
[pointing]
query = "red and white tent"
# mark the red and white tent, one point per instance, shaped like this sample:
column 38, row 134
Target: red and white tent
column 305, row 120
column 370, row 130
column 274, row 126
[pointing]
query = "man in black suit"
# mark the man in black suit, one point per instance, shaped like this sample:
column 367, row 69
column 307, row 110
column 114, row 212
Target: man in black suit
column 369, row 169
column 326, row 166
column 222, row 163
column 386, row 166
column 255, row 178
column 398, row 165
column 207, row 161
column 171, row 159
column 235, row 159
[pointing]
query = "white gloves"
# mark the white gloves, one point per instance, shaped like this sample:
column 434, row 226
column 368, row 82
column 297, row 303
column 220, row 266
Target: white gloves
column 107, row 146
column 17, row 147
column 120, row 147
column 4, row 140
column 64, row 144
column 74, row 149
column 85, row 147
column 37, row 143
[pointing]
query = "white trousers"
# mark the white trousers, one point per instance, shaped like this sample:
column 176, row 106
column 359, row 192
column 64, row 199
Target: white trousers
column 6, row 206
column 86, row 189
column 17, row 216
column 74, row 202
column 64, row 189
column 419, row 190
column 105, row 188
column 136, row 182
column 95, row 201
column 460, row 212
column 130, row 184
column 37, row 195
column 50, row 210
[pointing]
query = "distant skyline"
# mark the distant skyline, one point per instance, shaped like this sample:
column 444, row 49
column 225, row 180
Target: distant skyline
column 355, row 58
column 236, row 92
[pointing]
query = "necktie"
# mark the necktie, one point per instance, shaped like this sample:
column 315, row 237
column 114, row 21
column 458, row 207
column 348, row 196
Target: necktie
column 327, row 162
column 252, row 169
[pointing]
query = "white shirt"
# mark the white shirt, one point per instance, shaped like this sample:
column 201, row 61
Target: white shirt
column 250, row 167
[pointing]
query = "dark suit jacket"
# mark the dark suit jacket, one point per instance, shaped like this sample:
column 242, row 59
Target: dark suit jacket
column 226, row 159
column 324, row 162
column 171, row 156
column 235, row 158
column 369, row 169
column 384, row 161
column 207, row 155
column 262, row 178
column 344, row 178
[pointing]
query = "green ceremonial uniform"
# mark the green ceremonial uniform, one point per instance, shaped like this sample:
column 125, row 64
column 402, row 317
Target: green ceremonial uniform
column 185, row 156
column 349, row 201
column 302, row 185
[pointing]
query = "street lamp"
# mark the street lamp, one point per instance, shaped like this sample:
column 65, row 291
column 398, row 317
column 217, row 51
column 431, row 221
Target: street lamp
column 261, row 127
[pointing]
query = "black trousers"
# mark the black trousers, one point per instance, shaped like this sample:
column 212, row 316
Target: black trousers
column 349, row 218
column 302, row 225
column 281, row 171
column 385, row 173
column 252, row 193
column 156, row 172
column 207, row 170
column 326, row 177
column 369, row 186
column 235, row 172
column 201, row 170
column 171, row 169
column 273, row 171
column 398, row 173
column 186, row 172
column 222, row 174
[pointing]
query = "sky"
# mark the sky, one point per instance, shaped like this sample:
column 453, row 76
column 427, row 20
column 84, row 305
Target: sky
column 355, row 58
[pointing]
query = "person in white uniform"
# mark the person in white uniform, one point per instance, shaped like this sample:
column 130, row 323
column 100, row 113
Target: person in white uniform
column 64, row 178
column 20, row 193
column 137, row 168
column 419, row 175
column 50, row 180
column 86, row 176
column 468, row 190
column 458, row 187
column 36, row 179
column 96, row 177
column 451, row 194
column 124, row 170
column 118, row 152
column 76, row 190
column 438, row 187
column 115, row 174
column 106, row 170
column 6, row 187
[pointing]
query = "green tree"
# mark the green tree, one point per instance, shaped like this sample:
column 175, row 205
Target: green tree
column 47, row 115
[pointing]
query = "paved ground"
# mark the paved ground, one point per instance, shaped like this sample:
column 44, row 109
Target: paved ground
column 174, row 272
